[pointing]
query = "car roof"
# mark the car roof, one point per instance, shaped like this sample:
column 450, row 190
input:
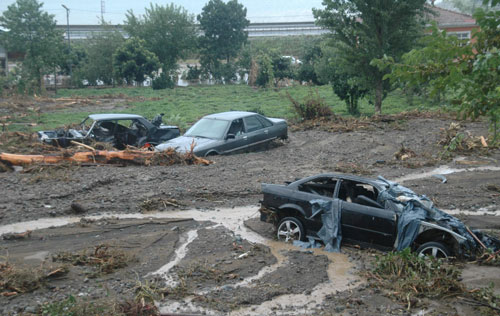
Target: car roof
column 375, row 182
column 231, row 115
column 114, row 116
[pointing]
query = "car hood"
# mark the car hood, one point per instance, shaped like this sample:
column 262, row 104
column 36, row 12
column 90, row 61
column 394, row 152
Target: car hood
column 183, row 143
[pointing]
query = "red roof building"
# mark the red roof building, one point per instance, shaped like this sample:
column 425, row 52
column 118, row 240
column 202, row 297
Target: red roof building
column 454, row 23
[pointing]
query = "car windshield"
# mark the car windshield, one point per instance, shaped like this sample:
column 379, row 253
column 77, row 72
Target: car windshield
column 208, row 128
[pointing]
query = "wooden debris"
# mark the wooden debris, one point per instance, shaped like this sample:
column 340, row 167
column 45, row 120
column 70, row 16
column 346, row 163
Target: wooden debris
column 137, row 157
column 26, row 234
column 475, row 237
column 483, row 141
column 57, row 272
column 83, row 145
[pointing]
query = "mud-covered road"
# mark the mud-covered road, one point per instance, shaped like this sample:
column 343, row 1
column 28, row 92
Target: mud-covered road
column 197, row 226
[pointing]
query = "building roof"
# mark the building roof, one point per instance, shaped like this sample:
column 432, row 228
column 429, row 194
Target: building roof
column 446, row 17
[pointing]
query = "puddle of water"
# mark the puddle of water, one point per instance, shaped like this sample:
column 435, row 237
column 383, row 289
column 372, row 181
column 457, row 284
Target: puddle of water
column 490, row 210
column 180, row 253
column 41, row 255
column 443, row 170
column 339, row 280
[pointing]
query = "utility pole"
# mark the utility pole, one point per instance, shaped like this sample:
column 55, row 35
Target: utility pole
column 103, row 10
column 69, row 43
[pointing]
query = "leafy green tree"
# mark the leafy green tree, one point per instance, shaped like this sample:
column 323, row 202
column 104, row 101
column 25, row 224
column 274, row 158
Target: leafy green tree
column 99, row 61
column 223, row 26
column 347, row 85
column 31, row 31
column 306, row 71
column 168, row 31
column 470, row 72
column 282, row 66
column 371, row 29
column 133, row 62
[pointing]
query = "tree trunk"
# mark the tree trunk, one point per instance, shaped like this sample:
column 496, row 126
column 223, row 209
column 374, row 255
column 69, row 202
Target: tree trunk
column 378, row 96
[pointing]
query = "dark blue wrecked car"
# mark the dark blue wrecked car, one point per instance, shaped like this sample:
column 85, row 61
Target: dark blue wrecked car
column 335, row 208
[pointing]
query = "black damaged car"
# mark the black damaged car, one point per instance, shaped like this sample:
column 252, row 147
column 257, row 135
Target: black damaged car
column 335, row 208
column 118, row 129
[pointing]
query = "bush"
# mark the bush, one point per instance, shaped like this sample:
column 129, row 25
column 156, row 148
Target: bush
column 194, row 73
column 265, row 75
column 163, row 82
column 312, row 107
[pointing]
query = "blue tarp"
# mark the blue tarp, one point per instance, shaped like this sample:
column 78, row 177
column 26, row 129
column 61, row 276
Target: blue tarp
column 330, row 233
column 417, row 208
column 414, row 209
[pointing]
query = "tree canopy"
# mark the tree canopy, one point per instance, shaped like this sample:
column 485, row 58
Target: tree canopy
column 370, row 29
column 31, row 31
column 469, row 71
column 223, row 26
column 100, row 48
column 133, row 62
column 168, row 31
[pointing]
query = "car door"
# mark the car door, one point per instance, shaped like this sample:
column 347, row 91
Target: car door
column 363, row 220
column 255, row 130
column 322, row 188
column 235, row 138
column 270, row 131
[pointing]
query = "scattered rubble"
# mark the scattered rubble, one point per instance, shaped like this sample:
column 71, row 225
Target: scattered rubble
column 455, row 141
column 104, row 260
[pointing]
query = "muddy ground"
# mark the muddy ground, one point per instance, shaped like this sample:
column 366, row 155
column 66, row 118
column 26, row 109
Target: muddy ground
column 194, row 229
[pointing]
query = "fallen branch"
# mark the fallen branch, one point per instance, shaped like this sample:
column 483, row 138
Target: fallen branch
column 83, row 145
column 475, row 237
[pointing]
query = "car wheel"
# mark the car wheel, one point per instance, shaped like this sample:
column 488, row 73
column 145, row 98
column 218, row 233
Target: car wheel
column 290, row 229
column 434, row 249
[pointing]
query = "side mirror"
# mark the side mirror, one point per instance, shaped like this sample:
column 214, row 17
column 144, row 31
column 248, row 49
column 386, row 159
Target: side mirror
column 230, row 136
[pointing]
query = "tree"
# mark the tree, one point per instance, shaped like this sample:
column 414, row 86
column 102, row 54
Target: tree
column 133, row 62
column 471, row 71
column 348, row 86
column 168, row 31
column 370, row 29
column 223, row 26
column 32, row 32
column 306, row 71
column 100, row 50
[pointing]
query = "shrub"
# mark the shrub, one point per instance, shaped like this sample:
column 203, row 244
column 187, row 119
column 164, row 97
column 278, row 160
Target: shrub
column 193, row 73
column 163, row 82
column 313, row 106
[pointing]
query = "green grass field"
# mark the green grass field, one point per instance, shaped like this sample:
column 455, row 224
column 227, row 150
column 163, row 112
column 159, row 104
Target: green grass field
column 184, row 105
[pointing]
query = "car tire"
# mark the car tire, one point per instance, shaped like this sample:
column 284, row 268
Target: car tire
column 434, row 249
column 290, row 229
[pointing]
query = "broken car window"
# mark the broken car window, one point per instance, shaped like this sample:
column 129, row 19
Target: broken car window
column 236, row 127
column 321, row 186
column 359, row 193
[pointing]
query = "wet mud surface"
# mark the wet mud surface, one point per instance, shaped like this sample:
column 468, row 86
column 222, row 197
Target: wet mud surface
column 205, row 220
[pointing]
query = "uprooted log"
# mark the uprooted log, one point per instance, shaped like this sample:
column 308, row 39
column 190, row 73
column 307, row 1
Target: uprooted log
column 135, row 157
